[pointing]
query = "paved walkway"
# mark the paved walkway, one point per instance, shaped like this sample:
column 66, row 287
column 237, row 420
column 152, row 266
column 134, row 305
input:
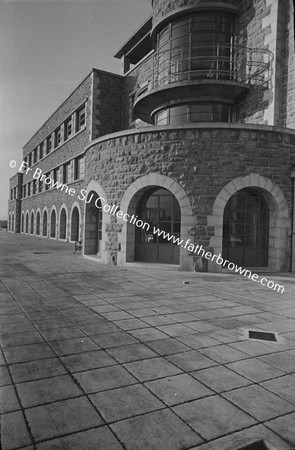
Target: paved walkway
column 98, row 357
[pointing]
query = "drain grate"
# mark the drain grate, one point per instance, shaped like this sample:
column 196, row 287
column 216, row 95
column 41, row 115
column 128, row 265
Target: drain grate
column 262, row 335
column 41, row 253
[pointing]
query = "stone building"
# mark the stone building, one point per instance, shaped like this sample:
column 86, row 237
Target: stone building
column 196, row 138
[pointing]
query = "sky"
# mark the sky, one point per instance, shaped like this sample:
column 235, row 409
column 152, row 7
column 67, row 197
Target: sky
column 47, row 47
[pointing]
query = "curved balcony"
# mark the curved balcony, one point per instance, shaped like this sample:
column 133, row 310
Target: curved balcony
column 221, row 71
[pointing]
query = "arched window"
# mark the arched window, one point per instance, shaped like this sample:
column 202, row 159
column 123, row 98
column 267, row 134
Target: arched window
column 75, row 223
column 63, row 224
column 23, row 223
column 160, row 210
column 38, row 219
column 27, row 222
column 245, row 229
column 93, row 224
column 53, row 224
column 32, row 223
column 44, row 233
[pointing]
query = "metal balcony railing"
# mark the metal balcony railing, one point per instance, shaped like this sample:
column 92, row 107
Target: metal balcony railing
column 218, row 62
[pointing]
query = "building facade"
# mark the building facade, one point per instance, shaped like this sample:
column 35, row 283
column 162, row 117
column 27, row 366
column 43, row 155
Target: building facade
column 195, row 138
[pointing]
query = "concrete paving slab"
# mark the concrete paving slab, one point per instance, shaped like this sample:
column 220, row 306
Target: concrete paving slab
column 213, row 417
column 167, row 346
column 178, row 389
column 220, row 378
column 111, row 340
column 87, row 361
column 72, row 346
column 151, row 369
column 14, row 431
column 102, row 379
column 97, row 438
column 27, row 353
column 8, row 399
column 48, row 390
column 62, row 418
column 35, row 370
column 191, row 360
column 132, row 352
column 282, row 386
column 125, row 402
column 258, row 402
column 5, row 378
column 284, row 426
column 255, row 370
column 160, row 430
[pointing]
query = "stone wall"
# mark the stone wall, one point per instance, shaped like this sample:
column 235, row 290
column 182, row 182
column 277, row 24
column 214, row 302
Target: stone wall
column 162, row 8
column 77, row 97
column 202, row 160
column 107, row 103
column 288, row 75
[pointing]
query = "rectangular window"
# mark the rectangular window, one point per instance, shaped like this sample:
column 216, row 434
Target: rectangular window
column 34, row 187
column 66, row 173
column 30, row 159
column 47, row 175
column 57, row 137
column 29, row 189
column 35, row 155
column 41, row 150
column 48, row 145
column 80, row 118
column 79, row 168
column 40, row 186
column 55, row 174
column 24, row 191
column 68, row 129
column 11, row 194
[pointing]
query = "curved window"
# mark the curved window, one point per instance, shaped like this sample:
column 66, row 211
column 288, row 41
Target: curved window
column 195, row 112
column 196, row 46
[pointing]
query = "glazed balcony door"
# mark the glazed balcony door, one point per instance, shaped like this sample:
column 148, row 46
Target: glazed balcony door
column 245, row 229
column 160, row 209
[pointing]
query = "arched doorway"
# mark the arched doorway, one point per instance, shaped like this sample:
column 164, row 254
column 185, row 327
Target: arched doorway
column 160, row 209
column 23, row 223
column 32, row 223
column 53, row 224
column 75, row 224
column 63, row 224
column 12, row 222
column 246, row 229
column 44, row 231
column 93, row 224
column 38, row 219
